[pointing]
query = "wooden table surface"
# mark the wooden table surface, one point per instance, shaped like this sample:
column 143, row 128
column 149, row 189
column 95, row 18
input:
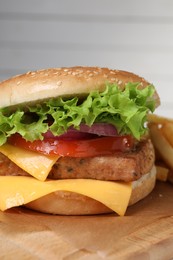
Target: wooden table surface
column 146, row 232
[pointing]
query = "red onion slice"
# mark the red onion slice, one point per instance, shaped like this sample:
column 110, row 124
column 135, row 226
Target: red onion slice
column 101, row 129
column 85, row 132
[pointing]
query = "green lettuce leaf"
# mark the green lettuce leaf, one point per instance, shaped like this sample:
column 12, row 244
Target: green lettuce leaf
column 126, row 110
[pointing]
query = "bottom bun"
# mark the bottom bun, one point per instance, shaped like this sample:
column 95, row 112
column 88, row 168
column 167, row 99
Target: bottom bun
column 68, row 203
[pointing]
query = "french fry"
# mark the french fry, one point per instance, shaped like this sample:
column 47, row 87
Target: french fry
column 167, row 130
column 161, row 132
column 162, row 173
column 152, row 118
column 162, row 145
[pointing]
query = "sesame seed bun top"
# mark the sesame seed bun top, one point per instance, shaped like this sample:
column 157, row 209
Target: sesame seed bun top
column 54, row 82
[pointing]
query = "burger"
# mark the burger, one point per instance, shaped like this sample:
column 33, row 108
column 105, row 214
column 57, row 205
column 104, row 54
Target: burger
column 74, row 141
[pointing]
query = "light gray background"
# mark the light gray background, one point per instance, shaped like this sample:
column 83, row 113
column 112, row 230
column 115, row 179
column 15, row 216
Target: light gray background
column 130, row 35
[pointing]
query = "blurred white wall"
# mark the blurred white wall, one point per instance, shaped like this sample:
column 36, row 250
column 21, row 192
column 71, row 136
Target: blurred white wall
column 130, row 35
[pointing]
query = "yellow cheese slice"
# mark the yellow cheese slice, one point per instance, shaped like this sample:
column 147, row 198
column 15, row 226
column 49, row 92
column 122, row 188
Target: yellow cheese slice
column 35, row 164
column 19, row 190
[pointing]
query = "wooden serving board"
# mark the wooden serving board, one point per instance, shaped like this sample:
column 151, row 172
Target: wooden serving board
column 146, row 232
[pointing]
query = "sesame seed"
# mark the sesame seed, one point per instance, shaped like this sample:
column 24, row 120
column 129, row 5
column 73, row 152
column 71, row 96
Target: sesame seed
column 59, row 83
column 19, row 82
column 56, row 73
column 32, row 73
column 74, row 73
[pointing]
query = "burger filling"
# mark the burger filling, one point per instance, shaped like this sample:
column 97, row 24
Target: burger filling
column 98, row 140
column 100, row 124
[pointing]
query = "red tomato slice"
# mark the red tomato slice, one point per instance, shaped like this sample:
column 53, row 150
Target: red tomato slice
column 76, row 148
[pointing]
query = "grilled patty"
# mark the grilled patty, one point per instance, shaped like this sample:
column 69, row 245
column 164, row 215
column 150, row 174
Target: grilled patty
column 120, row 166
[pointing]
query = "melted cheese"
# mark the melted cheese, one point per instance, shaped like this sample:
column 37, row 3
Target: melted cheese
column 19, row 190
column 35, row 164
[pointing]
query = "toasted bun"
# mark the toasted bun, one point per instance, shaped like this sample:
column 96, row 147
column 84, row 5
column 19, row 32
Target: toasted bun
column 67, row 203
column 48, row 83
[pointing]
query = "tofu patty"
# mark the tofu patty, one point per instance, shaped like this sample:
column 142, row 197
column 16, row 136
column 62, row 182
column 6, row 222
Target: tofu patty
column 120, row 166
